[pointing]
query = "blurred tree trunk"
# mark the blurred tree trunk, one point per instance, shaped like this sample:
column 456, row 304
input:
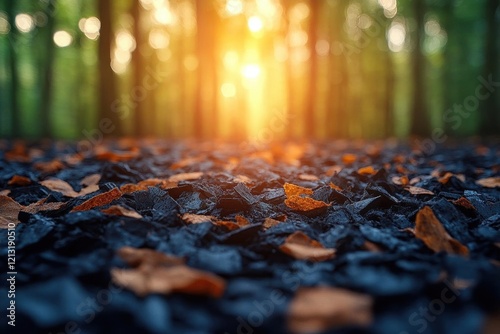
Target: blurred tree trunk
column 419, row 118
column 46, row 98
column 107, row 85
column 206, row 90
column 389, row 95
column 448, row 82
column 489, row 119
column 310, row 112
column 138, row 114
column 15, row 130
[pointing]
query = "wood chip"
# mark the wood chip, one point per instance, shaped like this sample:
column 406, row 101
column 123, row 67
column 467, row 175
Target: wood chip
column 306, row 204
column 301, row 247
column 318, row 309
column 430, row 230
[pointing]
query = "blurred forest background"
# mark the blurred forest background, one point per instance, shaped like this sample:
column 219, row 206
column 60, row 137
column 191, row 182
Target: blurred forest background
column 263, row 69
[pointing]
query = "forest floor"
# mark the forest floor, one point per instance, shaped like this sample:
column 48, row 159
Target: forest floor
column 190, row 237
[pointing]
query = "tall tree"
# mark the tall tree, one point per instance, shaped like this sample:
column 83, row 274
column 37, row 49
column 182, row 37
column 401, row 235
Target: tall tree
column 489, row 119
column 311, row 110
column 107, row 84
column 138, row 70
column 47, row 74
column 14, row 75
column 419, row 118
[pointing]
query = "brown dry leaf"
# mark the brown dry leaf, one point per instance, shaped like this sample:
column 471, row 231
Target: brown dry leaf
column 9, row 209
column 430, row 230
column 90, row 180
column 308, row 177
column 18, row 180
column 99, row 200
column 191, row 218
column 175, row 279
column 145, row 184
column 368, row 170
column 18, row 153
column 118, row 210
column 301, row 247
column 242, row 179
column 137, row 257
column 186, row 162
column 306, row 204
column 447, row 176
column 231, row 226
column 464, row 203
column 65, row 188
column 185, row 177
column 317, row 309
column 270, row 222
column 73, row 159
column 49, row 167
column 42, row 206
column 372, row 247
column 4, row 192
column 333, row 170
column 489, row 182
column 294, row 190
column 418, row 191
column 400, row 180
column 349, row 159
column 103, row 154
column 334, row 186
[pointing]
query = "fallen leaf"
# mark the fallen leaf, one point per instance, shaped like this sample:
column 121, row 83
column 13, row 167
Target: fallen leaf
column 418, row 191
column 430, row 230
column 186, row 162
column 231, row 226
column 91, row 180
column 489, row 182
column 333, row 170
column 400, row 180
column 308, row 177
column 9, row 209
column 191, row 218
column 145, row 184
column 306, row 204
column 242, row 179
column 66, row 189
column 294, row 190
column 99, row 200
column 372, row 247
column 175, row 279
column 18, row 180
column 118, row 210
column 318, row 309
column 270, row 222
column 185, row 177
column 49, row 167
column 349, row 159
column 447, row 176
column 464, row 203
column 301, row 247
column 41, row 205
column 137, row 257
column 4, row 192
column 368, row 170
column 116, row 156
column 334, row 186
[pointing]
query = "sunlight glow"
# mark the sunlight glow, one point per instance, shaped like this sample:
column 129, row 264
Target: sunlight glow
column 125, row 40
column 255, row 23
column 396, row 36
column 164, row 15
column 390, row 7
column 234, row 7
column 159, row 39
column 24, row 22
column 4, row 24
column 90, row 27
column 62, row 38
column 251, row 71
column 299, row 12
column 228, row 90
column 322, row 47
column 191, row 62
column 231, row 59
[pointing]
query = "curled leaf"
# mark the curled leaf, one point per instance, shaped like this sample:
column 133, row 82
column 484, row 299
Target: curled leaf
column 430, row 230
column 99, row 200
column 301, row 247
column 320, row 308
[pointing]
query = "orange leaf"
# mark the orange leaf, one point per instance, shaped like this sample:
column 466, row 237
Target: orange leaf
column 308, row 177
column 240, row 222
column 349, row 159
column 91, row 180
column 103, row 154
column 294, row 190
column 447, row 176
column 368, row 170
column 18, row 180
column 400, row 180
column 176, row 279
column 489, row 182
column 191, row 218
column 185, row 177
column 334, row 186
column 430, row 230
column 145, row 184
column 118, row 210
column 305, row 204
column 49, row 167
column 9, row 210
column 136, row 257
column 301, row 247
column 317, row 309
column 186, row 162
column 464, row 203
column 418, row 191
column 99, row 200
column 270, row 222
